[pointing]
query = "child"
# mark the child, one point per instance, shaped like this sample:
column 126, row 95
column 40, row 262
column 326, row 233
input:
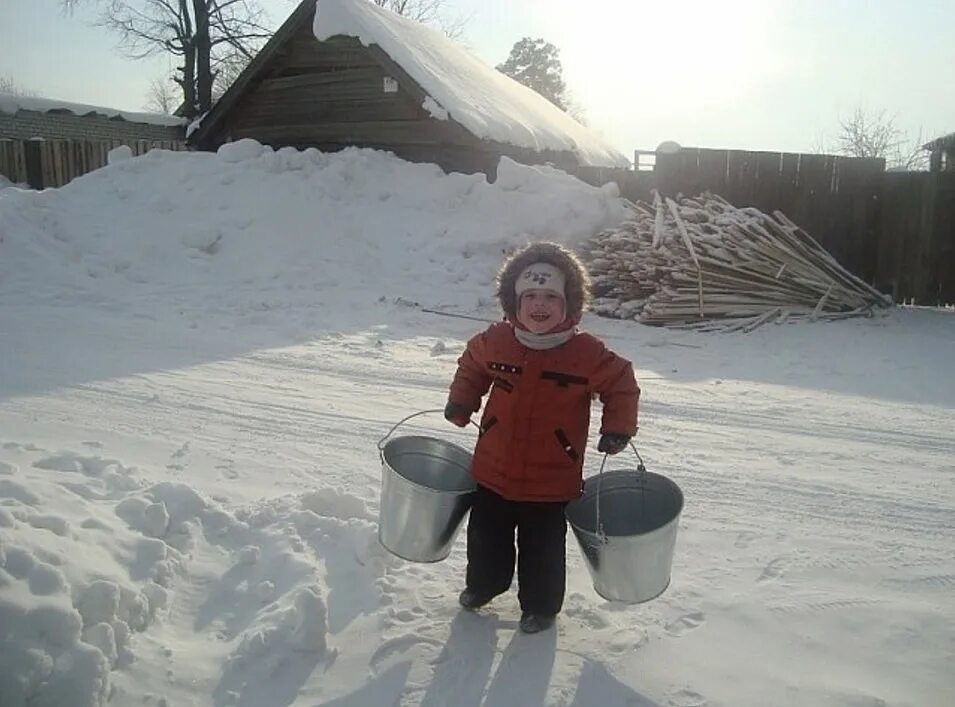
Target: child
column 528, row 461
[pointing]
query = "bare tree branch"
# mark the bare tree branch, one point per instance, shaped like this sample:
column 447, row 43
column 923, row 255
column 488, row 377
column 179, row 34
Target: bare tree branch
column 876, row 135
column 204, row 33
column 161, row 97
column 429, row 12
column 8, row 85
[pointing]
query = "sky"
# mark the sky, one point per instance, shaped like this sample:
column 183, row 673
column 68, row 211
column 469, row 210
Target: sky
column 202, row 354
column 737, row 74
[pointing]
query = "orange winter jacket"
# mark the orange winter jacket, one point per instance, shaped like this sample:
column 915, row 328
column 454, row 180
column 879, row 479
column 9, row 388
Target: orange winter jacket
column 535, row 424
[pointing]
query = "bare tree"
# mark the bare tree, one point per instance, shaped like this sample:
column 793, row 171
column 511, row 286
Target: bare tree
column 162, row 96
column 429, row 12
column 227, row 71
column 876, row 135
column 208, row 35
column 8, row 85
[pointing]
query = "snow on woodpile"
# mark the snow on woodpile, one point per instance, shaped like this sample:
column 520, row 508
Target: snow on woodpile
column 703, row 263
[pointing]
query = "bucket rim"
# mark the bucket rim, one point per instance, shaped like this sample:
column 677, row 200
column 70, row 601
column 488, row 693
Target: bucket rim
column 579, row 529
column 590, row 494
column 445, row 442
column 472, row 484
column 590, row 488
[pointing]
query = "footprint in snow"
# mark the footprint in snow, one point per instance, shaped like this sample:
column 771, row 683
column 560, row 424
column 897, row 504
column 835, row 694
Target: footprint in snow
column 686, row 698
column 228, row 471
column 684, row 624
column 745, row 539
column 177, row 461
column 589, row 617
column 774, row 570
column 7, row 469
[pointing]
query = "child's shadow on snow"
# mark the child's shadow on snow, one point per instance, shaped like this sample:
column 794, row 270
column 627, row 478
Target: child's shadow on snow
column 462, row 669
column 464, row 666
column 524, row 670
column 523, row 674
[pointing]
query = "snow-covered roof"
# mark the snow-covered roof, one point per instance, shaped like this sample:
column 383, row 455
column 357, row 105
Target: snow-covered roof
column 12, row 103
column 940, row 142
column 483, row 100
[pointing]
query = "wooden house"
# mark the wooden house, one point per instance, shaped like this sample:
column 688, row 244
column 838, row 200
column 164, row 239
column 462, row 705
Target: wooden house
column 942, row 153
column 366, row 85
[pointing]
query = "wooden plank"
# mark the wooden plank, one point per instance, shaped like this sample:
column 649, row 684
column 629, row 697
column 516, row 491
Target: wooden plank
column 897, row 238
column 317, row 93
column 33, row 158
column 944, row 233
column 7, row 163
column 688, row 180
column 380, row 133
column 813, row 209
column 741, row 177
column 308, row 54
column 371, row 76
column 857, row 192
column 712, row 175
column 326, row 112
column 768, row 178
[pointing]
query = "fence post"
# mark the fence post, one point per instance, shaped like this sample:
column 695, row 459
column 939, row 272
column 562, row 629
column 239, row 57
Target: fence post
column 34, row 163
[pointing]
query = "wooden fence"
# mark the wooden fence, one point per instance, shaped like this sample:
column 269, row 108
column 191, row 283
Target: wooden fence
column 41, row 163
column 915, row 252
column 894, row 230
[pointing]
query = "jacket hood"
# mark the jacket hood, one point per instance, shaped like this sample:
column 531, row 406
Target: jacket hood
column 576, row 287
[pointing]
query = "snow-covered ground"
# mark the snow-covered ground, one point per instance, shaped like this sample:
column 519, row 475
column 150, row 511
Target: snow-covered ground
column 199, row 353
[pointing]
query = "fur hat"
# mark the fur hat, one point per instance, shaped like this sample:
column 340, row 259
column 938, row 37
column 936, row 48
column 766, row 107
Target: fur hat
column 576, row 280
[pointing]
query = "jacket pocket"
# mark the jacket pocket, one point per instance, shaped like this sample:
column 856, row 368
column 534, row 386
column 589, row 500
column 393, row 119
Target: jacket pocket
column 487, row 425
column 565, row 444
column 503, row 384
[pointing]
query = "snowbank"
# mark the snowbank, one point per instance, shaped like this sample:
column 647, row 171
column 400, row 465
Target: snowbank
column 295, row 220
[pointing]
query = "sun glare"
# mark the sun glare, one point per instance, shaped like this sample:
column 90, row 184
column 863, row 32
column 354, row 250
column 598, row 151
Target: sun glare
column 688, row 52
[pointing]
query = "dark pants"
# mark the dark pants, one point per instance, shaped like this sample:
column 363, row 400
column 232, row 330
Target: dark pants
column 541, row 544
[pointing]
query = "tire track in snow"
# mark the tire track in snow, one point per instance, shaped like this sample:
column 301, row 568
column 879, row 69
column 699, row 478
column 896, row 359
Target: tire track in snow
column 814, row 428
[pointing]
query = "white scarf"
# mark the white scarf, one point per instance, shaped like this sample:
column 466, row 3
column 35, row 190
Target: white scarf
column 540, row 342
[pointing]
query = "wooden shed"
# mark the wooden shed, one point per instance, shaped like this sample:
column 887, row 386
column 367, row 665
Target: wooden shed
column 47, row 143
column 29, row 118
column 942, row 153
column 349, row 91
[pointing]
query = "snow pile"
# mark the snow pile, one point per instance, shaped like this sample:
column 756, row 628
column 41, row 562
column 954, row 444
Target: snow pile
column 75, row 585
column 289, row 222
column 88, row 565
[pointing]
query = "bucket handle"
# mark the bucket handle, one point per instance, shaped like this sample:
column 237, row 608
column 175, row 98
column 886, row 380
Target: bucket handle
column 641, row 470
column 381, row 442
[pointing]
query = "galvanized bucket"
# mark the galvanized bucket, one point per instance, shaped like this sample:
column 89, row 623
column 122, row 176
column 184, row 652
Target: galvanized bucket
column 426, row 490
column 626, row 523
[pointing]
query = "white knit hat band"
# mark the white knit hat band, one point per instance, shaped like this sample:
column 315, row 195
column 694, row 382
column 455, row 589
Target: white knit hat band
column 540, row 276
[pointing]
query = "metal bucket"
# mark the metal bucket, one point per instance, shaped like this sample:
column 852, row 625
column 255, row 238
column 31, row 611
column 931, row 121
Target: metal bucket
column 426, row 490
column 626, row 523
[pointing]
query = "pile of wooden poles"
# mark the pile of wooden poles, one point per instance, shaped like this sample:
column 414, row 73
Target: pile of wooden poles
column 703, row 263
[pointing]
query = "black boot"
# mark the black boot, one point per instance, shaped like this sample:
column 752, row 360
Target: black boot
column 535, row 623
column 471, row 599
